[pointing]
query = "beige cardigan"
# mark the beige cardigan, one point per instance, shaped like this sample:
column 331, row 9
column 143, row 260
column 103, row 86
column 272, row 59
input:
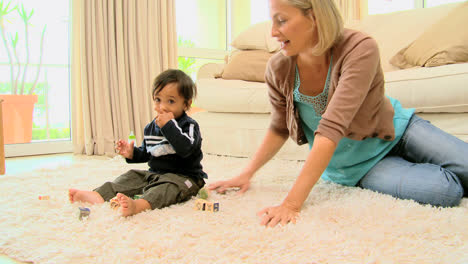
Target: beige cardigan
column 357, row 107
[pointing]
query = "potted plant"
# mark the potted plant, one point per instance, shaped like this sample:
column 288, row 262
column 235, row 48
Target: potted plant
column 18, row 105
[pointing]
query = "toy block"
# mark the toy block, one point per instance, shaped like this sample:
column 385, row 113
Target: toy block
column 44, row 197
column 215, row 207
column 211, row 207
column 84, row 212
column 200, row 205
column 114, row 203
column 204, row 205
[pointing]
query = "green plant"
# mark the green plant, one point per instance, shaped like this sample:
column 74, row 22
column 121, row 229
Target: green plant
column 19, row 86
column 185, row 63
column 52, row 133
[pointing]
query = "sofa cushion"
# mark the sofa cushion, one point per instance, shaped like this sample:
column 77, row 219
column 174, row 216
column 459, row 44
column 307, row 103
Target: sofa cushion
column 430, row 90
column 440, row 89
column 240, row 134
column 247, row 65
column 443, row 43
column 394, row 31
column 233, row 96
column 257, row 36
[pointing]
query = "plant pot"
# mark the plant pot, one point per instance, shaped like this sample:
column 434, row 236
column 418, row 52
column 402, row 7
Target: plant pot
column 18, row 117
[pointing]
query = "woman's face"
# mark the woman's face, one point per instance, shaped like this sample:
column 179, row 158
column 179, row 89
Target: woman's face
column 295, row 31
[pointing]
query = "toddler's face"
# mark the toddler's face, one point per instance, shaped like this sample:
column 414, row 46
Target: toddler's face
column 168, row 99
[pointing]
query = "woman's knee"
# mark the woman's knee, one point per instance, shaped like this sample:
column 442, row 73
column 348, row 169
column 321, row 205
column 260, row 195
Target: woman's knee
column 449, row 192
column 423, row 183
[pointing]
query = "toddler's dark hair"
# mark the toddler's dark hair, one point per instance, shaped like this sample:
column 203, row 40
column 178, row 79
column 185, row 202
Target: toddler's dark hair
column 186, row 86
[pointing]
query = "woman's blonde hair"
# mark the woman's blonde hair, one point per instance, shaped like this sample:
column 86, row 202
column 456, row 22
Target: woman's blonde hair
column 328, row 18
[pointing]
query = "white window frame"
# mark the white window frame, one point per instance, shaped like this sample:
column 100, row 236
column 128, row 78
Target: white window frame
column 38, row 148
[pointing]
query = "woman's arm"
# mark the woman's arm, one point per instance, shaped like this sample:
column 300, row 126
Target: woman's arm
column 315, row 164
column 272, row 143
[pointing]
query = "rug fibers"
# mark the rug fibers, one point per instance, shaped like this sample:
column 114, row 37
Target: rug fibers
column 337, row 224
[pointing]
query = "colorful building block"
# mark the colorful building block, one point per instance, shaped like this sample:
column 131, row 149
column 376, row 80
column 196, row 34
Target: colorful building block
column 114, row 203
column 204, row 205
column 84, row 212
column 199, row 205
column 44, row 197
column 211, row 207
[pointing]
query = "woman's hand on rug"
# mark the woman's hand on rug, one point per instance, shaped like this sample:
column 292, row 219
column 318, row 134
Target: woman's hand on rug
column 124, row 148
column 242, row 182
column 281, row 214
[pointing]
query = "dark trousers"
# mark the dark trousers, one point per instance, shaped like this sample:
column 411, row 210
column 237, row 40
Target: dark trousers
column 160, row 190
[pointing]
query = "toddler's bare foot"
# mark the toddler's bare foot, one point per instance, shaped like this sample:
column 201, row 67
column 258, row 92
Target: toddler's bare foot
column 129, row 207
column 92, row 197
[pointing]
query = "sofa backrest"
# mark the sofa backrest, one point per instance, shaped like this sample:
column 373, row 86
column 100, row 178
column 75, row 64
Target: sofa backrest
column 394, row 31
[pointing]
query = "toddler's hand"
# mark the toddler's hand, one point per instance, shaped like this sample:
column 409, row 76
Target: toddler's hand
column 124, row 148
column 163, row 118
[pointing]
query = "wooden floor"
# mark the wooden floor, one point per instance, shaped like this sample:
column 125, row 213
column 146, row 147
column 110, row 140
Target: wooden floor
column 25, row 164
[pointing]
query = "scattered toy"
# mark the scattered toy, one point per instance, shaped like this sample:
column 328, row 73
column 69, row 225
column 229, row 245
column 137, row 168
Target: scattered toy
column 203, row 193
column 204, row 205
column 114, row 203
column 84, row 212
column 44, row 197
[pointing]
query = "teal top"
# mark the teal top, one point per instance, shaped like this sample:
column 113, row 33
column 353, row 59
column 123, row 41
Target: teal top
column 352, row 159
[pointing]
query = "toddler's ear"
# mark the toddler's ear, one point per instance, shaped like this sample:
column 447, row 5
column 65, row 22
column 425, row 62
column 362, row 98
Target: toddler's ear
column 188, row 104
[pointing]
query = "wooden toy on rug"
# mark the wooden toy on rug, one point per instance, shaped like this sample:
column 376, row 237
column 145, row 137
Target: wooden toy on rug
column 204, row 205
column 211, row 206
column 44, row 197
column 84, row 212
column 114, row 203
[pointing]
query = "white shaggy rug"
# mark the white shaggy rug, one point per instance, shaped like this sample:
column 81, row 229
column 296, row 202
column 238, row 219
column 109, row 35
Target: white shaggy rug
column 337, row 224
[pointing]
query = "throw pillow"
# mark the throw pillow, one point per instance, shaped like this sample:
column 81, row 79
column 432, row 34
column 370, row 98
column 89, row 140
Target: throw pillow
column 247, row 65
column 257, row 36
column 445, row 42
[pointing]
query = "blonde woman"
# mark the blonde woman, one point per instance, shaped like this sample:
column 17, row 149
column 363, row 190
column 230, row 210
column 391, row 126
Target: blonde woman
column 326, row 87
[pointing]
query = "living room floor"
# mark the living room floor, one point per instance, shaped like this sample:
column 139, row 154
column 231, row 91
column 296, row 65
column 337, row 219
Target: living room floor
column 24, row 164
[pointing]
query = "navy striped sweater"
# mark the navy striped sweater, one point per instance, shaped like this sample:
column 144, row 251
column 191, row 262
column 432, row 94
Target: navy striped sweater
column 174, row 148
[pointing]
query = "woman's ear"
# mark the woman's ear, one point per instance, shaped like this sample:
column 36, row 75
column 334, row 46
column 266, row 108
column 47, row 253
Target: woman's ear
column 311, row 14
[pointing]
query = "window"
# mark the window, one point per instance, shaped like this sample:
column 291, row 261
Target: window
column 431, row 3
column 387, row 6
column 35, row 53
column 206, row 27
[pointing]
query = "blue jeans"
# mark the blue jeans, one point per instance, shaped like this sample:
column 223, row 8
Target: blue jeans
column 427, row 165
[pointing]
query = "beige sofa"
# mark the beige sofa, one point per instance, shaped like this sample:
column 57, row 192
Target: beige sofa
column 237, row 110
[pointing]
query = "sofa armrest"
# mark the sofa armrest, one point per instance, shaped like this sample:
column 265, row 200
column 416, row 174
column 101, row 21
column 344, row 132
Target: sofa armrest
column 210, row 70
